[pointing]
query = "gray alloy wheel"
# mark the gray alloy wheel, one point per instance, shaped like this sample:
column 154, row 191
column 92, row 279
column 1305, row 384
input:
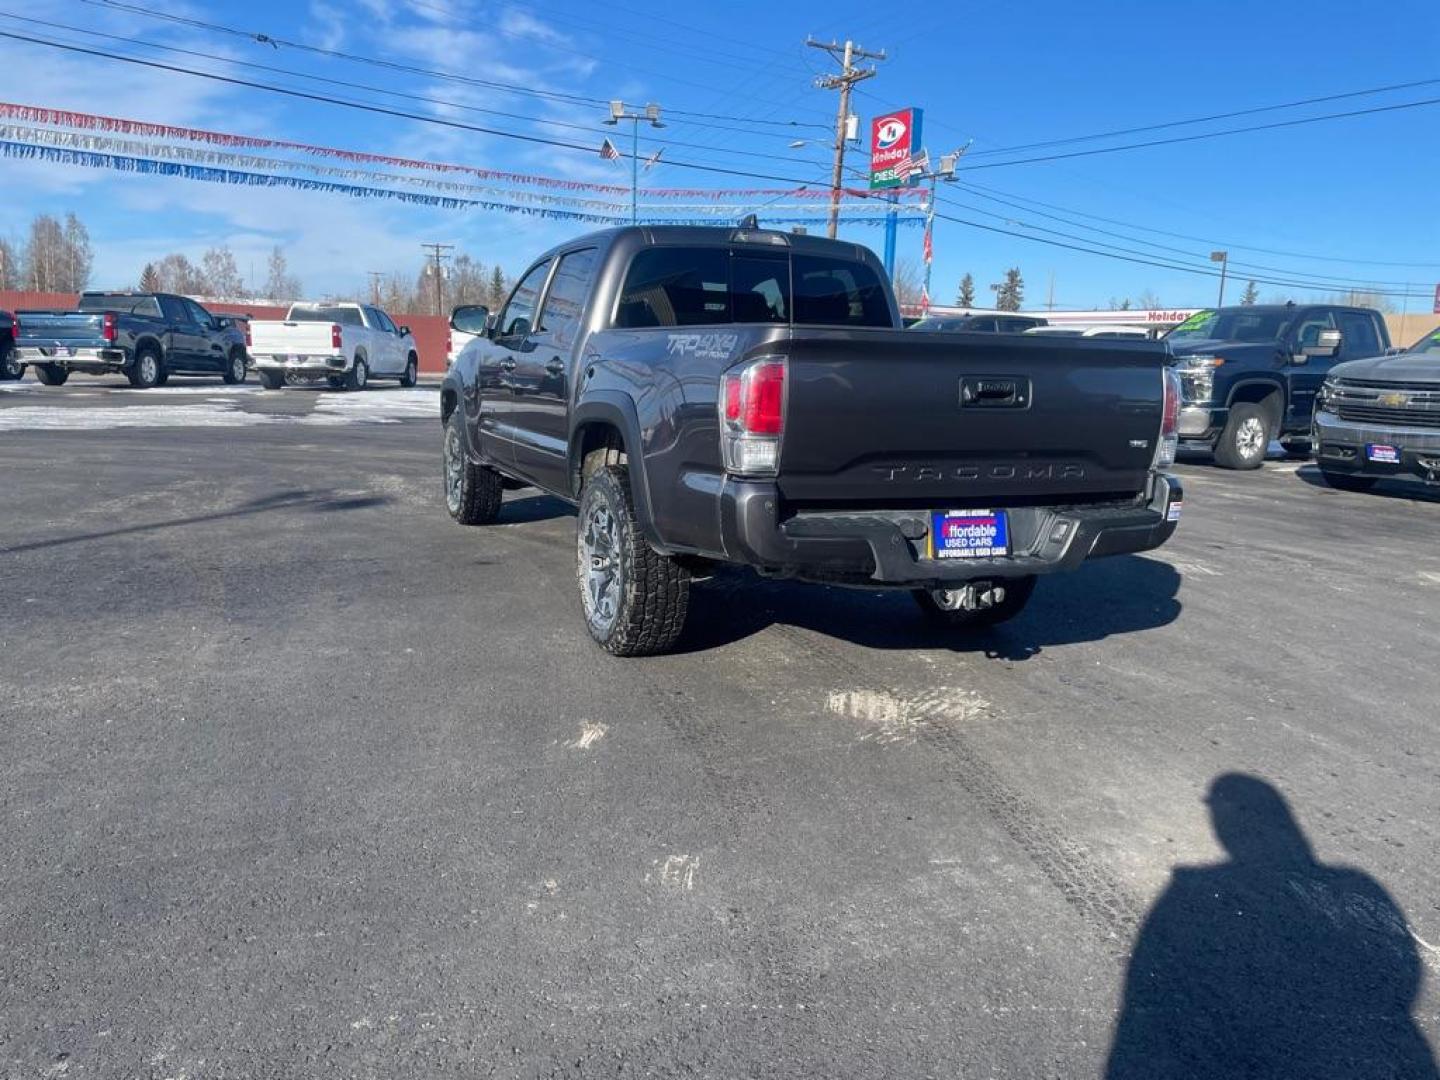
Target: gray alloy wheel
column 10, row 366
column 1250, row 436
column 1246, row 438
column 358, row 376
column 600, row 568
column 235, row 368
column 473, row 493
column 412, row 373
column 454, row 469
column 145, row 371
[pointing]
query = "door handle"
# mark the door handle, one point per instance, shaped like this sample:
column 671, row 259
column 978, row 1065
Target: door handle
column 506, row 365
column 556, row 366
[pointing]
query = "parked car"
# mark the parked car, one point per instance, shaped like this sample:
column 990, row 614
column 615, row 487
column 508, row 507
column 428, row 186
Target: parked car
column 1128, row 333
column 10, row 365
column 455, row 343
column 345, row 344
column 1250, row 373
column 744, row 396
column 148, row 336
column 1380, row 417
column 979, row 324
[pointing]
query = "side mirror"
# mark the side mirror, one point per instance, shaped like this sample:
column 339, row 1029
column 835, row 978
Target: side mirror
column 470, row 319
column 404, row 331
column 1328, row 344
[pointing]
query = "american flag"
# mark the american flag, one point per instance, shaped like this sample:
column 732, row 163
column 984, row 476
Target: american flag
column 924, row 301
column 608, row 151
column 929, row 245
column 918, row 164
column 654, row 159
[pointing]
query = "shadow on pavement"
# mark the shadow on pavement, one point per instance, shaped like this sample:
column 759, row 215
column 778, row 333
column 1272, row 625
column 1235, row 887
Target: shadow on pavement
column 1407, row 488
column 1119, row 595
column 533, row 508
column 1270, row 964
column 322, row 502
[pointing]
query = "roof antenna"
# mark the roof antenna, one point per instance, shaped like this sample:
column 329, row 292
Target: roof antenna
column 749, row 221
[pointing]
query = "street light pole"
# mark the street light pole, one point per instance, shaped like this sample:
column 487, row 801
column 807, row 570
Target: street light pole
column 651, row 115
column 1223, row 258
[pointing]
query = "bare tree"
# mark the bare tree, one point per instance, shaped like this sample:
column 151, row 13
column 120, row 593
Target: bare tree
column 280, row 284
column 44, row 255
column 467, row 281
column 177, row 274
column 1364, row 298
column 909, row 283
column 397, row 295
column 1147, row 300
column 9, row 266
column 77, row 257
column 222, row 276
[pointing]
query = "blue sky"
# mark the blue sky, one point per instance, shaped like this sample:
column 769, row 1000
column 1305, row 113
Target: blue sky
column 1351, row 200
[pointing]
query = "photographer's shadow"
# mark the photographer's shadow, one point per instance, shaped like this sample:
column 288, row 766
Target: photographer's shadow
column 1270, row 964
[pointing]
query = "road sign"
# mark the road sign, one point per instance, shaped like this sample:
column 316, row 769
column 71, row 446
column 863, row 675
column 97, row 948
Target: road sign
column 893, row 138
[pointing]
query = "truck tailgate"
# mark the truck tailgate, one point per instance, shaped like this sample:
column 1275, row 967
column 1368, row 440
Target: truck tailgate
column 69, row 327
column 272, row 337
column 894, row 418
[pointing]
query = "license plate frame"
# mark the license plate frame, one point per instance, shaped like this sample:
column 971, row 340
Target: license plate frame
column 1382, row 453
column 985, row 535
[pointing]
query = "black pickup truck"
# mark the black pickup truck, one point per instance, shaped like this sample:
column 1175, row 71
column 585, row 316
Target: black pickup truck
column 148, row 336
column 1250, row 373
column 744, row 396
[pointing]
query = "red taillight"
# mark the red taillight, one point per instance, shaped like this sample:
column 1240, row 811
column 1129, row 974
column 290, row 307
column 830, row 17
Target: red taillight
column 107, row 327
column 1170, row 418
column 15, row 327
column 335, row 336
column 752, row 415
column 449, row 344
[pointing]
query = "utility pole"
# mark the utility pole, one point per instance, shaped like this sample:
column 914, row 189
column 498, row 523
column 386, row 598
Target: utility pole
column 946, row 172
column 1223, row 258
column 651, row 114
column 848, row 77
column 375, row 276
column 438, row 254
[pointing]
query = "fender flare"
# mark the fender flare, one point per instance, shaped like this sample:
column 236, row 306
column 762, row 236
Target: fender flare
column 1275, row 384
column 618, row 410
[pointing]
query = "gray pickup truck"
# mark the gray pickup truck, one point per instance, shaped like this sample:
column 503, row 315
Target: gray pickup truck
column 744, row 396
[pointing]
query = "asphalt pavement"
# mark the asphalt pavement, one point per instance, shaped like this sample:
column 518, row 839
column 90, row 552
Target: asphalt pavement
column 299, row 778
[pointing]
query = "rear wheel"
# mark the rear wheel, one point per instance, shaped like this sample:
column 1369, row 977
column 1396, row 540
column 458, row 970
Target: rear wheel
column 51, row 374
column 10, row 366
column 145, row 371
column 358, row 376
column 1245, row 439
column 1348, row 481
column 412, row 372
column 272, row 380
column 472, row 492
column 961, row 607
column 235, row 368
column 634, row 598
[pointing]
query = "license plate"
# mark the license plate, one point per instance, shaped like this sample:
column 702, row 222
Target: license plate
column 969, row 534
column 293, row 359
column 1388, row 455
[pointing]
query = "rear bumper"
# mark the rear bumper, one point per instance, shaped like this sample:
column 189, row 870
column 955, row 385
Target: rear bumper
column 305, row 366
column 92, row 360
column 887, row 548
column 1339, row 446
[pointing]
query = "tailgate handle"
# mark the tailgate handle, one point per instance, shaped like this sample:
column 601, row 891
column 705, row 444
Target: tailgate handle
column 994, row 392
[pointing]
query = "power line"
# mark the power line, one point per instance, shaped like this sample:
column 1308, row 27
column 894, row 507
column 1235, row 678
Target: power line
column 1207, row 135
column 1207, row 119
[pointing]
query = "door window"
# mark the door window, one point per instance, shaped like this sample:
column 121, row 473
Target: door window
column 565, row 302
column 196, row 314
column 173, row 309
column 519, row 314
column 386, row 323
column 1358, row 335
column 676, row 287
column 1307, row 331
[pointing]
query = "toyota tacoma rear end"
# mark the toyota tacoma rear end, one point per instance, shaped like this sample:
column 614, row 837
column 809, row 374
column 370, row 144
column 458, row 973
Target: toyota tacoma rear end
column 743, row 396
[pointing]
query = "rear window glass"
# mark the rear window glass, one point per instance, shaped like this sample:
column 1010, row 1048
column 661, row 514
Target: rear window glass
column 345, row 316
column 708, row 286
column 132, row 305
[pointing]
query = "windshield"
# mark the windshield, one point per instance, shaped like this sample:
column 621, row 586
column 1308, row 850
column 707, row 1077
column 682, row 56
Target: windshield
column 346, row 316
column 1429, row 344
column 1230, row 324
column 122, row 302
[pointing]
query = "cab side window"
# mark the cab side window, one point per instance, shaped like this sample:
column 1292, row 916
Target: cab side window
column 1307, row 332
column 519, row 314
column 565, row 302
column 1358, row 335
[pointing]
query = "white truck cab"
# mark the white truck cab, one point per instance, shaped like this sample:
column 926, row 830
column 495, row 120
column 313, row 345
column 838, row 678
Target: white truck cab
column 345, row 344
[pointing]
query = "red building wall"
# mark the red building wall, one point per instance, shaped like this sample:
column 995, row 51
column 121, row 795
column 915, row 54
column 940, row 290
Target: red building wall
column 431, row 331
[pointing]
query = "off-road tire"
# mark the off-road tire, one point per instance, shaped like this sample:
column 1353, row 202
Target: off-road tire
column 1238, row 447
column 652, row 591
column 144, row 375
column 234, row 368
column 412, row 372
column 272, row 380
column 358, row 377
column 1017, row 594
column 1349, row 481
column 472, row 492
column 51, row 374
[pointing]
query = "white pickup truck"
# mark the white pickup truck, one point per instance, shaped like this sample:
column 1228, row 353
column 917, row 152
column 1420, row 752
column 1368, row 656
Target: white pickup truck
column 345, row 344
